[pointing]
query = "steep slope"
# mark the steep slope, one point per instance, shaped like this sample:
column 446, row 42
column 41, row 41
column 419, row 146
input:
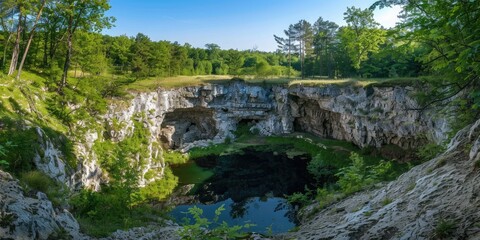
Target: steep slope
column 32, row 217
column 438, row 199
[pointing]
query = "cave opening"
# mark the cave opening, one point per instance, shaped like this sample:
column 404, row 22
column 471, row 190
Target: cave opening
column 187, row 125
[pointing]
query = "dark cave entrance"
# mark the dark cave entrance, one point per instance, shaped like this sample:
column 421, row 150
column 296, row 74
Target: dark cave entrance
column 186, row 125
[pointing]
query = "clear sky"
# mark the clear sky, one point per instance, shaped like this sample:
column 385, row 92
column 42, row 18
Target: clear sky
column 236, row 24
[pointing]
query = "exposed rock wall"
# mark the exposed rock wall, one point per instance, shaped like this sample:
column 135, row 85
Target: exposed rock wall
column 201, row 115
column 444, row 189
column 198, row 116
column 369, row 116
column 23, row 217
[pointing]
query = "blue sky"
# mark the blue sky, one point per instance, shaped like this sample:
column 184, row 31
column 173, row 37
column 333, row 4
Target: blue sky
column 236, row 24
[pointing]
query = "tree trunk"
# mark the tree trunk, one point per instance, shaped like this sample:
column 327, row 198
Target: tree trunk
column 289, row 56
column 68, row 56
column 5, row 46
column 32, row 32
column 16, row 47
column 45, row 49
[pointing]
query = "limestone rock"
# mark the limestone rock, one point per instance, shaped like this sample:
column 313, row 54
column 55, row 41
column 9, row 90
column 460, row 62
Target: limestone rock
column 412, row 207
column 23, row 217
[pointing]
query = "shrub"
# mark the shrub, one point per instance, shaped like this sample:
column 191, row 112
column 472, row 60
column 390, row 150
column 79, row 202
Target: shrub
column 298, row 199
column 444, row 229
column 174, row 157
column 430, row 151
column 199, row 229
column 354, row 177
column 36, row 180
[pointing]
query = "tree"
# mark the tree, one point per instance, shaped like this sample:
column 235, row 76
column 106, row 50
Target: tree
column 89, row 52
column 450, row 33
column 235, row 61
column 87, row 15
column 119, row 51
column 303, row 34
column 362, row 35
column 324, row 39
column 7, row 12
column 287, row 45
column 142, row 56
column 32, row 32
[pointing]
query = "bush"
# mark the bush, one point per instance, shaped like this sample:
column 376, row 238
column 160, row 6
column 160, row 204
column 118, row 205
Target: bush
column 199, row 229
column 36, row 180
column 174, row 157
column 159, row 189
column 354, row 177
column 358, row 175
column 430, row 151
column 445, row 229
column 298, row 199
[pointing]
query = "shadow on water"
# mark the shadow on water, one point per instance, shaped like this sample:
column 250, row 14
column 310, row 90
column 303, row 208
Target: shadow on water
column 251, row 185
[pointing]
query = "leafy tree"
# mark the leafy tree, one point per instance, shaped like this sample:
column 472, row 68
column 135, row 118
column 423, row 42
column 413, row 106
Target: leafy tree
column 89, row 52
column 324, row 39
column 87, row 15
column 361, row 37
column 304, row 35
column 235, row 61
column 119, row 51
column 39, row 10
column 449, row 33
column 142, row 52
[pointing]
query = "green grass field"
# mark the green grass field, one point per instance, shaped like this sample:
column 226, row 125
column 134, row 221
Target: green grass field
column 182, row 81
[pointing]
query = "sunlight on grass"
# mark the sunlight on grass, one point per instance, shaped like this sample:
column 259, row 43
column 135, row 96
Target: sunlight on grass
column 183, row 81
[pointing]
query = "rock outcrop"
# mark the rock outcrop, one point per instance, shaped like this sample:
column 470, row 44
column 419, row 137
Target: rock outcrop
column 24, row 217
column 436, row 200
column 370, row 116
column 186, row 117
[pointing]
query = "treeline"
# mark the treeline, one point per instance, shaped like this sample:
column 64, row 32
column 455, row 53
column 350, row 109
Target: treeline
column 61, row 36
column 362, row 48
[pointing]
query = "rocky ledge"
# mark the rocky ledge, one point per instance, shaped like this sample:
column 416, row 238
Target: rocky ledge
column 32, row 217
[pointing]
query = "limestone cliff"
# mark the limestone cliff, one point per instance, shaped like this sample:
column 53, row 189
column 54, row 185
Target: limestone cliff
column 186, row 117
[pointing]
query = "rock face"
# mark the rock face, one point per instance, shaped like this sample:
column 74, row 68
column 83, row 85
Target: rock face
column 23, row 217
column 186, row 117
column 418, row 205
column 50, row 160
column 369, row 116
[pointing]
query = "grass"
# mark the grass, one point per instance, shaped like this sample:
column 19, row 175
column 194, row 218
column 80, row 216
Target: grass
column 150, row 84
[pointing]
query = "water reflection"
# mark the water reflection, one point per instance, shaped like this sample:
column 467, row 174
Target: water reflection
column 273, row 215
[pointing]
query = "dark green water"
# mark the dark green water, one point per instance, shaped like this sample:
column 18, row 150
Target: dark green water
column 251, row 185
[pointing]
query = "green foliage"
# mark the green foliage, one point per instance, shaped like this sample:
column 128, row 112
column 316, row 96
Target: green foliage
column 20, row 148
column 430, row 151
column 358, row 175
column 298, row 199
column 3, row 152
column 101, row 213
column 38, row 181
column 174, row 157
column 217, row 149
column 444, row 229
column 7, row 219
column 354, row 177
column 60, row 234
column 386, row 201
column 159, row 189
column 361, row 37
column 206, row 229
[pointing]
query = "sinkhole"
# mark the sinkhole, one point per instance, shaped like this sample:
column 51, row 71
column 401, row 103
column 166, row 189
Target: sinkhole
column 250, row 183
